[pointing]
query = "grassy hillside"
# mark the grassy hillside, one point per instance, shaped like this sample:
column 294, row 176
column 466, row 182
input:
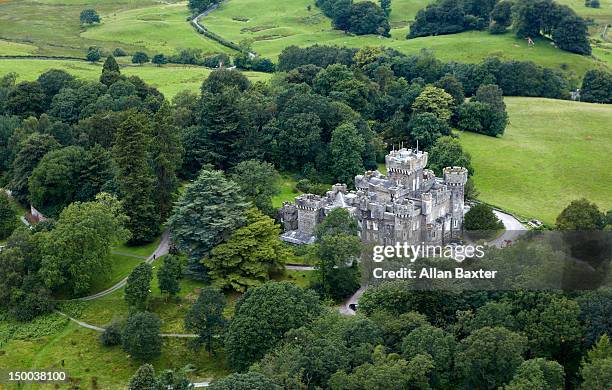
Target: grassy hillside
column 169, row 79
column 271, row 26
column 553, row 152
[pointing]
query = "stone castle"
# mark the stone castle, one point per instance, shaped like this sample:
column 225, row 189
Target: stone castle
column 410, row 204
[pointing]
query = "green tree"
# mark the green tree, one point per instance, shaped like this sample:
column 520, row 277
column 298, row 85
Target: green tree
column 262, row 316
column 488, row 357
column 581, row 215
column 93, row 54
column 140, row 58
column 426, row 128
column 208, row 212
column 346, row 148
column 111, row 335
column 52, row 81
column 246, row 381
column 337, row 222
column 159, row 59
column 453, row 87
column 141, row 337
column 250, row 255
column 386, row 6
column 26, row 99
column 199, row 6
column 76, row 252
column 89, row 16
column 437, row 343
column 8, row 216
column 205, row 317
column 490, row 94
column 434, row 100
column 596, row 313
column 169, row 274
column 54, row 182
column 501, row 17
column 138, row 286
column 597, row 86
column 538, row 374
column 572, row 34
column 447, row 152
column 480, row 217
column 258, row 182
column 110, row 65
column 596, row 368
column 110, row 71
column 299, row 140
column 167, row 155
column 368, row 18
column 135, row 177
column 144, row 379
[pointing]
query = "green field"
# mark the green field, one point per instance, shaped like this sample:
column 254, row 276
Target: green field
column 169, row 79
column 274, row 26
column 553, row 152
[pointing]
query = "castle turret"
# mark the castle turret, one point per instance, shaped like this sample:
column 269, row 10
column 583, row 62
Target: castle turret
column 405, row 167
column 455, row 179
column 310, row 212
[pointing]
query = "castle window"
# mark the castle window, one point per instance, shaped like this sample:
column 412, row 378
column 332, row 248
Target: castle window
column 454, row 223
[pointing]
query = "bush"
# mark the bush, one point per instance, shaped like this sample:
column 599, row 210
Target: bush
column 141, row 337
column 8, row 216
column 305, row 185
column 214, row 60
column 159, row 59
column 119, row 52
column 111, row 335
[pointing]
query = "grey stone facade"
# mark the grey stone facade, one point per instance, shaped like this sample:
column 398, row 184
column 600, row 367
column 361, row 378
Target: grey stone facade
column 408, row 205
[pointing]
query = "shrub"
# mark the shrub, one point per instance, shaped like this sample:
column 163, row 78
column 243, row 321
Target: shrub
column 482, row 219
column 119, row 52
column 111, row 335
column 140, row 58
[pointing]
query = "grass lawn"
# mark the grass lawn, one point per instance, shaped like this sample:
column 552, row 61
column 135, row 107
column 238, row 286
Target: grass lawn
column 553, row 152
column 160, row 29
column 287, row 193
column 300, row 278
column 122, row 267
column 85, row 358
column 274, row 26
column 141, row 250
column 169, row 79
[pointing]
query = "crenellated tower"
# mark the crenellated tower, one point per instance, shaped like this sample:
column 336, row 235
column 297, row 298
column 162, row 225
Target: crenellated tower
column 455, row 179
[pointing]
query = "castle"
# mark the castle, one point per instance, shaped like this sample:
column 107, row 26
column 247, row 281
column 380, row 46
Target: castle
column 410, row 204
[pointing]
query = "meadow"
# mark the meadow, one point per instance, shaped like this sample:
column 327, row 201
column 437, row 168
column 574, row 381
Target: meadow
column 552, row 152
column 169, row 79
column 270, row 27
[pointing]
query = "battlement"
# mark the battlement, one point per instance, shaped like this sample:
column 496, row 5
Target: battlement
column 405, row 161
column 455, row 176
column 310, row 202
column 405, row 209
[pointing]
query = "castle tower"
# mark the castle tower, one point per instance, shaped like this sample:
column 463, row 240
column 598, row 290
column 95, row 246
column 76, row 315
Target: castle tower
column 455, row 179
column 404, row 222
column 310, row 212
column 405, row 167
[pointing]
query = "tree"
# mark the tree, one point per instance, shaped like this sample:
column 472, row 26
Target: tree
column 222, row 79
column 93, row 54
column 596, row 313
column 144, row 379
column 581, row 215
column 482, row 118
column 8, row 216
column 258, row 182
column 167, row 155
column 249, row 256
column 437, row 343
column 138, row 286
column 26, row 99
column 298, row 140
column 346, row 148
column 596, row 368
column 481, row 220
column 76, row 252
column 597, row 86
column 490, row 94
column 140, row 58
column 159, row 59
column 52, row 81
column 262, row 316
column 487, row 358
column 141, row 337
column 54, row 182
column 572, row 34
column 205, row 317
column 538, row 374
column 168, row 275
column 110, row 71
column 31, row 151
column 368, row 18
column 453, row 87
column 447, row 152
column 135, row 178
column 246, row 381
column 199, row 6
column 426, row 128
column 386, row 6
column 501, row 17
column 89, row 16
column 208, row 212
column 434, row 100
column 337, row 222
